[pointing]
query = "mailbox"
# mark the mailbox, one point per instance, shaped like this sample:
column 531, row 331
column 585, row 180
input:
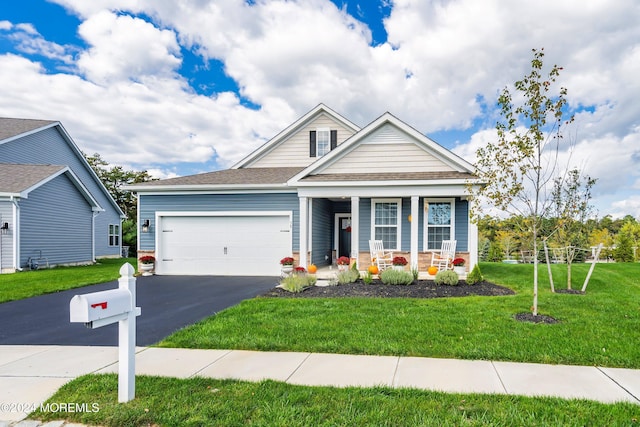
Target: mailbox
column 101, row 308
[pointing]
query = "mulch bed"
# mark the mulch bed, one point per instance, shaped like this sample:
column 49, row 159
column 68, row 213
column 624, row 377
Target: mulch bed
column 419, row 289
column 539, row 318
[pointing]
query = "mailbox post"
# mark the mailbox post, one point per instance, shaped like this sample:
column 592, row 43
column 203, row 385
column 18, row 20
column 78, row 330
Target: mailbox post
column 99, row 309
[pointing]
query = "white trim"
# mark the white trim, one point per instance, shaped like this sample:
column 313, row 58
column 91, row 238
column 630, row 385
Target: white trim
column 304, row 231
column 440, row 191
column 355, row 227
column 425, row 220
column 208, row 189
column 398, row 201
column 223, row 213
column 415, row 218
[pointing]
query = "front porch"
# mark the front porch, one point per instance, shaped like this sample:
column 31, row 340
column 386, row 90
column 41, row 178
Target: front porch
column 411, row 226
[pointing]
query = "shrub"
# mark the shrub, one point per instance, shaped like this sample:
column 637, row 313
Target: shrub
column 446, row 277
column 395, row 277
column 415, row 273
column 367, row 278
column 348, row 276
column 297, row 282
column 475, row 276
column 496, row 253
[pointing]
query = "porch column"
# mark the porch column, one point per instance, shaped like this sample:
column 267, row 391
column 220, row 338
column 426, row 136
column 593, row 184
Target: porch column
column 355, row 227
column 415, row 221
column 304, row 231
column 472, row 238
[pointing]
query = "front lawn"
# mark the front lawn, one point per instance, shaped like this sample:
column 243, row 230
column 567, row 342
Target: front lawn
column 26, row 284
column 203, row 401
column 599, row 328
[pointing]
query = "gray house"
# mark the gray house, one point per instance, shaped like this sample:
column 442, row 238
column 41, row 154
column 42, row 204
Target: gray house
column 320, row 189
column 53, row 208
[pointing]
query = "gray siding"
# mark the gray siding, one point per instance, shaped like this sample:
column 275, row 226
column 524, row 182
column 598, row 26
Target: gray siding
column 462, row 225
column 6, row 239
column 55, row 221
column 49, row 147
column 323, row 230
column 150, row 204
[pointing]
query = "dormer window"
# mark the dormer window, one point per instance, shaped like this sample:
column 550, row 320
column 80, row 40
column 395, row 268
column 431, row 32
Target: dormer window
column 321, row 141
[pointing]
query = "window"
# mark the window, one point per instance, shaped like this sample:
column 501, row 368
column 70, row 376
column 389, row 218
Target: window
column 385, row 220
column 439, row 223
column 322, row 142
column 114, row 235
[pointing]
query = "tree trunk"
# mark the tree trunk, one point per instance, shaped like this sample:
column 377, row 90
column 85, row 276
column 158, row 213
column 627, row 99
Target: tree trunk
column 546, row 257
column 535, row 276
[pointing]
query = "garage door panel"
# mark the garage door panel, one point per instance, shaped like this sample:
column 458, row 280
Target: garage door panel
column 223, row 245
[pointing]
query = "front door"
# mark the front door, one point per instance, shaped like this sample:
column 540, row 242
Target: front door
column 344, row 236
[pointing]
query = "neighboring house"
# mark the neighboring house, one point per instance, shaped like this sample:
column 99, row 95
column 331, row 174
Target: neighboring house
column 53, row 208
column 320, row 189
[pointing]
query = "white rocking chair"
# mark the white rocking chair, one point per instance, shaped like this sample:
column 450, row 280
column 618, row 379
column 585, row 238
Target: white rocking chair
column 443, row 259
column 381, row 258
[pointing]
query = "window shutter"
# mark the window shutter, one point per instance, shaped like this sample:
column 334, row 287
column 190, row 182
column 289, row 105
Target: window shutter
column 312, row 143
column 334, row 139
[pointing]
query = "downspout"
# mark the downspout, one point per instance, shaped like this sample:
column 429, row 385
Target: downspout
column 93, row 235
column 16, row 234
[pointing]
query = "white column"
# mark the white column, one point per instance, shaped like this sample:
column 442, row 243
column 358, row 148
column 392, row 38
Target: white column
column 304, row 230
column 415, row 220
column 473, row 240
column 355, row 227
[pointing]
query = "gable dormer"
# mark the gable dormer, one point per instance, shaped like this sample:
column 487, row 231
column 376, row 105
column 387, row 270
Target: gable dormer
column 311, row 137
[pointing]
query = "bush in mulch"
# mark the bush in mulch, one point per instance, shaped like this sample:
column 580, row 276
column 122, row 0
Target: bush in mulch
column 418, row 289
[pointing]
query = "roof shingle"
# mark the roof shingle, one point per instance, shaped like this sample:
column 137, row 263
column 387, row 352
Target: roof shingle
column 13, row 127
column 16, row 178
column 248, row 176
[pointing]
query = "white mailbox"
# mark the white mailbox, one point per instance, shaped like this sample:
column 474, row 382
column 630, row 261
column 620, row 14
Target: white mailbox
column 104, row 308
column 101, row 308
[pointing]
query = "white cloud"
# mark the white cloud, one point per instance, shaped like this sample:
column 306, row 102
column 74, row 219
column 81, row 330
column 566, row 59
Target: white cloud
column 442, row 60
column 123, row 47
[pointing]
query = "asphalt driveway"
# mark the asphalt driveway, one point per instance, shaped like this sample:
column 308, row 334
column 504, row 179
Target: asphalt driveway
column 168, row 303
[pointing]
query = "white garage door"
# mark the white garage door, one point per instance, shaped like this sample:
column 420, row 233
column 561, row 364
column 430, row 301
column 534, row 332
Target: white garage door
column 237, row 245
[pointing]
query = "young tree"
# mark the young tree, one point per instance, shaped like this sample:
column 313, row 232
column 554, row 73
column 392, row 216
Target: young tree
column 571, row 201
column 520, row 165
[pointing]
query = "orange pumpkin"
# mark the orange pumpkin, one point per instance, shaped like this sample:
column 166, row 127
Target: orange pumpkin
column 312, row 268
column 373, row 269
column 433, row 270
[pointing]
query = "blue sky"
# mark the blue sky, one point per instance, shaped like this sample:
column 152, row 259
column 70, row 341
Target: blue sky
column 188, row 86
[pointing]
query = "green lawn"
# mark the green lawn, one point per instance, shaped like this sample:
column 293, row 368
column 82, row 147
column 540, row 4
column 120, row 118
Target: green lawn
column 26, row 284
column 599, row 328
column 204, row 402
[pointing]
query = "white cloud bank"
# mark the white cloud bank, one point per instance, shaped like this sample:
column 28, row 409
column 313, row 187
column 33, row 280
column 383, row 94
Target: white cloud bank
column 123, row 96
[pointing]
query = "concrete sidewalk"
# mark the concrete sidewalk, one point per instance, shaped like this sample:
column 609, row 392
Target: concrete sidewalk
column 31, row 374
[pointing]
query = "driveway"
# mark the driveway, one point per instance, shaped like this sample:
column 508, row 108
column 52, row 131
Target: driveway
column 168, row 303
